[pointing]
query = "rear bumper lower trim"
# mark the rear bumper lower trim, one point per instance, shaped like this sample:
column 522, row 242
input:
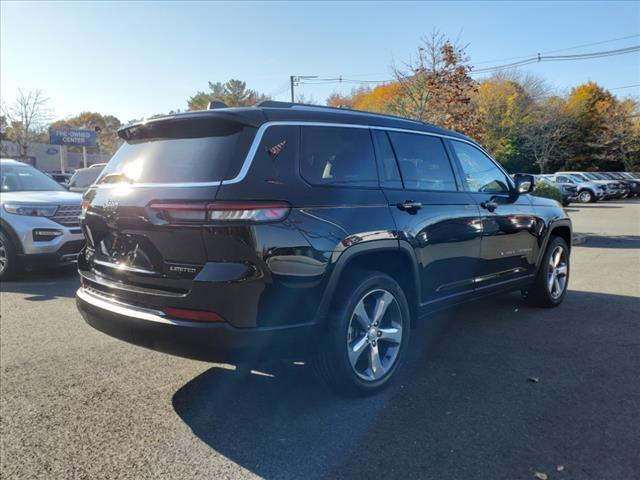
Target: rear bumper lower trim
column 208, row 341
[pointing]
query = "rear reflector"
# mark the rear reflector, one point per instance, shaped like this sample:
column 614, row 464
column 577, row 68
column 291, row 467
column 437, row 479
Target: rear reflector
column 252, row 212
column 193, row 315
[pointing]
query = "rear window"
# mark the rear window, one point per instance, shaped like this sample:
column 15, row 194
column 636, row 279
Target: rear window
column 338, row 156
column 84, row 178
column 180, row 151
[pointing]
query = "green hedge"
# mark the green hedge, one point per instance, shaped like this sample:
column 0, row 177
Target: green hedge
column 545, row 190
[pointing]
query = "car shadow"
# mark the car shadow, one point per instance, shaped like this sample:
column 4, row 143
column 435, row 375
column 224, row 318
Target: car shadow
column 495, row 389
column 43, row 284
column 591, row 240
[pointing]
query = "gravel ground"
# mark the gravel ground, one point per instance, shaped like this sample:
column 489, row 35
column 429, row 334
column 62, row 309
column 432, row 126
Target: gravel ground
column 75, row 403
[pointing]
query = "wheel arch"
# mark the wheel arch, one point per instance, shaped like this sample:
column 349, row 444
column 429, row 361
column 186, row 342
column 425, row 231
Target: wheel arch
column 10, row 232
column 392, row 257
column 559, row 228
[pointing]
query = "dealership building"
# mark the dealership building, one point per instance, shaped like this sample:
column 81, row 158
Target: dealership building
column 47, row 157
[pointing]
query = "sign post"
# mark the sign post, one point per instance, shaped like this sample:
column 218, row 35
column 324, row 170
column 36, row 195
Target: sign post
column 62, row 158
column 76, row 137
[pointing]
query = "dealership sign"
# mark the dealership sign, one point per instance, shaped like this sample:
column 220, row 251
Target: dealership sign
column 72, row 136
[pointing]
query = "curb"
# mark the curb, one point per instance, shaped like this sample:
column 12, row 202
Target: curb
column 578, row 239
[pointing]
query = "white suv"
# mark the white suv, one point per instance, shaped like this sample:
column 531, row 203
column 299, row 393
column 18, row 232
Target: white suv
column 38, row 219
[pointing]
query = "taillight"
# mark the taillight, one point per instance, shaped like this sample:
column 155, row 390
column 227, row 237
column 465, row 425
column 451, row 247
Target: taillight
column 84, row 205
column 249, row 212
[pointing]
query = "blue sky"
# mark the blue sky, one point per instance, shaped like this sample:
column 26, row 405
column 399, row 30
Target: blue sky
column 137, row 59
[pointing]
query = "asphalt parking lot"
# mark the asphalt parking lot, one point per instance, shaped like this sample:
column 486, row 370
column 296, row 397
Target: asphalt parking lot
column 75, row 403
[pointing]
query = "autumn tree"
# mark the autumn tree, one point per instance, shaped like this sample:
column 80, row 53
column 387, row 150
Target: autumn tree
column 26, row 119
column 620, row 136
column 436, row 87
column 347, row 100
column 503, row 107
column 545, row 133
column 233, row 93
column 587, row 104
column 106, row 127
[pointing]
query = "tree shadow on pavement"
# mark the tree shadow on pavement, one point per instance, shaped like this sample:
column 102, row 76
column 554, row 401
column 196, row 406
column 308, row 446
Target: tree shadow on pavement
column 44, row 284
column 591, row 240
column 492, row 390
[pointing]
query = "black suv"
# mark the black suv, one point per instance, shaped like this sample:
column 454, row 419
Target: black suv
column 301, row 232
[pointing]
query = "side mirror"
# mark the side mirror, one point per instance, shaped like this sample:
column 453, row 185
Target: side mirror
column 524, row 183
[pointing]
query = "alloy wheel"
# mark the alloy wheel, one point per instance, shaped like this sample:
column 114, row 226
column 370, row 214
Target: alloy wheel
column 557, row 272
column 4, row 260
column 374, row 335
column 584, row 196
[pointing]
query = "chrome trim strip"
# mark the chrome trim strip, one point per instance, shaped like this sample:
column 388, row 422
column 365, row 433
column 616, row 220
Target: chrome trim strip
column 124, row 309
column 246, row 165
column 126, row 268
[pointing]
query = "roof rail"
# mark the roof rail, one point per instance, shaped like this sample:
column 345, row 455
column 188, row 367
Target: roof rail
column 214, row 105
column 277, row 104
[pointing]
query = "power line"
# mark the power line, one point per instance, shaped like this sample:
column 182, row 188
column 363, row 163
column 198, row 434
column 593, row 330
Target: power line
column 626, row 86
column 559, row 50
column 539, row 58
column 557, row 58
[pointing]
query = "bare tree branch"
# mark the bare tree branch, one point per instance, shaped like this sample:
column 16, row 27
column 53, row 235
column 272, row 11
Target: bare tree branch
column 27, row 118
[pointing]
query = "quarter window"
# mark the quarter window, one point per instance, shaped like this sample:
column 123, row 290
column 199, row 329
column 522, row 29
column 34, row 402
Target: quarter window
column 423, row 161
column 338, row 156
column 481, row 173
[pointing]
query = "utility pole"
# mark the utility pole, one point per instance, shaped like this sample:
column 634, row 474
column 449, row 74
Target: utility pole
column 292, row 79
column 295, row 79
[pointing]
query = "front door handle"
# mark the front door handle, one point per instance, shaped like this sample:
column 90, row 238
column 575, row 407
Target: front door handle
column 409, row 206
column 490, row 205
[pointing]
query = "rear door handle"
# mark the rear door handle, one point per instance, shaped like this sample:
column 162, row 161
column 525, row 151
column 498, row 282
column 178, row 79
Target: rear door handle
column 409, row 206
column 490, row 205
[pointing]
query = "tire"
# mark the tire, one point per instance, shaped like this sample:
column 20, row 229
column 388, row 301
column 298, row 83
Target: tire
column 550, row 286
column 566, row 203
column 388, row 335
column 8, row 257
column 586, row 196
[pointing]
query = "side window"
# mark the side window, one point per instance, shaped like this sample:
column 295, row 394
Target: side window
column 481, row 173
column 338, row 156
column 389, row 173
column 423, row 161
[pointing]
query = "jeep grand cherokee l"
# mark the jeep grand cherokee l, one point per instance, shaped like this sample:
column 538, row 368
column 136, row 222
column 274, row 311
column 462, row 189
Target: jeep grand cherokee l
column 289, row 231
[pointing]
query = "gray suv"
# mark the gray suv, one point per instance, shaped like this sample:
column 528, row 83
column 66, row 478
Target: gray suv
column 38, row 219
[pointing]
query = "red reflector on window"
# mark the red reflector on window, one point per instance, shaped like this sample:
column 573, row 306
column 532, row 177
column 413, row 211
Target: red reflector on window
column 192, row 315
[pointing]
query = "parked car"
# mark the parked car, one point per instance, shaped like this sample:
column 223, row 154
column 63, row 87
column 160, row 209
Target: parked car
column 588, row 191
column 38, row 219
column 568, row 190
column 621, row 186
column 84, row 177
column 613, row 189
column 289, row 231
column 61, row 178
column 632, row 184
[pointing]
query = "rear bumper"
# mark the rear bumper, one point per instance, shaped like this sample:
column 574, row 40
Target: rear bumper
column 209, row 341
